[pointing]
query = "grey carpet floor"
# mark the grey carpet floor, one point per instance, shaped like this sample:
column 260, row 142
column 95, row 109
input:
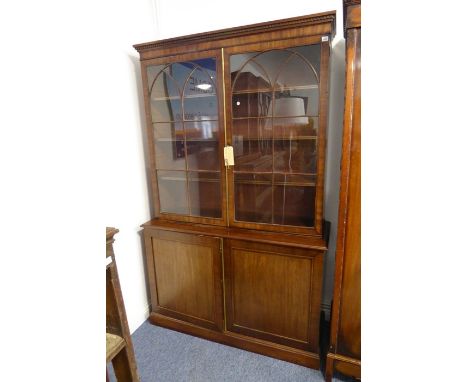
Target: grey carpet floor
column 167, row 356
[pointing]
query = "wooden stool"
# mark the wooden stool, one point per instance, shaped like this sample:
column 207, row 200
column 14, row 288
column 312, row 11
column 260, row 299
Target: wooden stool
column 119, row 347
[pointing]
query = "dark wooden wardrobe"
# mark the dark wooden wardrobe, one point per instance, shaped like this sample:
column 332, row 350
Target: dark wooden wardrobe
column 344, row 354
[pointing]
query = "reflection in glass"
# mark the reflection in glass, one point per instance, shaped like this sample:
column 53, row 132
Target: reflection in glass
column 184, row 112
column 202, row 130
column 275, row 104
column 166, row 110
column 294, row 199
column 204, row 107
column 295, row 128
column 170, row 154
column 168, row 131
column 253, row 128
column 203, row 155
column 254, row 104
column 253, row 197
column 295, row 156
column 172, row 187
column 205, row 194
column 298, row 73
column 301, row 102
column 294, row 205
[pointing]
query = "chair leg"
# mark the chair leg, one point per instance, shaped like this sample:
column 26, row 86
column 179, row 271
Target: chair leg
column 125, row 367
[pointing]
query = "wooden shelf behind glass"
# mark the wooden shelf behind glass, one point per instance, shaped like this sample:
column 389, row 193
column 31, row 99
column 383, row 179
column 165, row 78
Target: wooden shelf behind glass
column 269, row 90
column 178, row 97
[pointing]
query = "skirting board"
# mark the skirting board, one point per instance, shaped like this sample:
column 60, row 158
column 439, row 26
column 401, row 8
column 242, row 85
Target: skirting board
column 255, row 345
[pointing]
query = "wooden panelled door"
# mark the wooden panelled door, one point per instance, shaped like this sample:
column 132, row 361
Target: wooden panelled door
column 272, row 293
column 186, row 277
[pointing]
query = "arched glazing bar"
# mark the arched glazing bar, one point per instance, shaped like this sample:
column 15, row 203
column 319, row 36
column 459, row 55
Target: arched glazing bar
column 291, row 148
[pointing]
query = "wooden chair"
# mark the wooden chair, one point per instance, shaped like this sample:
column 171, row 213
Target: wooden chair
column 119, row 347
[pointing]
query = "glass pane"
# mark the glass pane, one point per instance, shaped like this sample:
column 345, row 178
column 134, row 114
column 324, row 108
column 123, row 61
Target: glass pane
column 180, row 71
column 294, row 205
column 297, row 102
column 201, row 107
column 253, row 197
column 202, row 78
column 297, row 72
column 253, row 104
column 202, row 145
column 272, row 61
column 170, row 154
column 251, row 76
column 202, row 130
column 166, row 110
column 295, row 156
column 252, row 155
column 152, row 71
column 168, row 131
column 203, row 155
column 161, row 83
column 275, row 134
column 311, row 53
column 184, row 110
column 172, row 186
column 205, row 194
column 295, row 128
column 252, row 128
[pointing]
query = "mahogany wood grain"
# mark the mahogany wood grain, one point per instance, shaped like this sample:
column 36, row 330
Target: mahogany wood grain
column 345, row 338
column 292, row 240
column 188, row 277
column 263, row 293
column 352, row 15
column 322, row 138
column 272, row 293
column 309, row 25
column 345, row 365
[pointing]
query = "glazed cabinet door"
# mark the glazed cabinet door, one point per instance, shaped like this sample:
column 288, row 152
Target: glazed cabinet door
column 273, row 293
column 276, row 116
column 185, row 277
column 184, row 111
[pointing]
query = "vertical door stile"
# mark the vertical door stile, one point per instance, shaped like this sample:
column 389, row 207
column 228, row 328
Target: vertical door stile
column 226, row 138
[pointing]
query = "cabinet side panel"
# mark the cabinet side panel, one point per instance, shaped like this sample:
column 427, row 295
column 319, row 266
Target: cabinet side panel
column 349, row 334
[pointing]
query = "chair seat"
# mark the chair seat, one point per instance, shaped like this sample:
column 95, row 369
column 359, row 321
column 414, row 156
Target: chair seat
column 114, row 344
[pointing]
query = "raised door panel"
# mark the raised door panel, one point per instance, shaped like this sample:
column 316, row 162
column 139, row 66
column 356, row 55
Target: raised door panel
column 188, row 277
column 273, row 293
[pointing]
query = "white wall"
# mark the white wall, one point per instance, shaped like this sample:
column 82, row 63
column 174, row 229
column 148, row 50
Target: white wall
column 128, row 203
